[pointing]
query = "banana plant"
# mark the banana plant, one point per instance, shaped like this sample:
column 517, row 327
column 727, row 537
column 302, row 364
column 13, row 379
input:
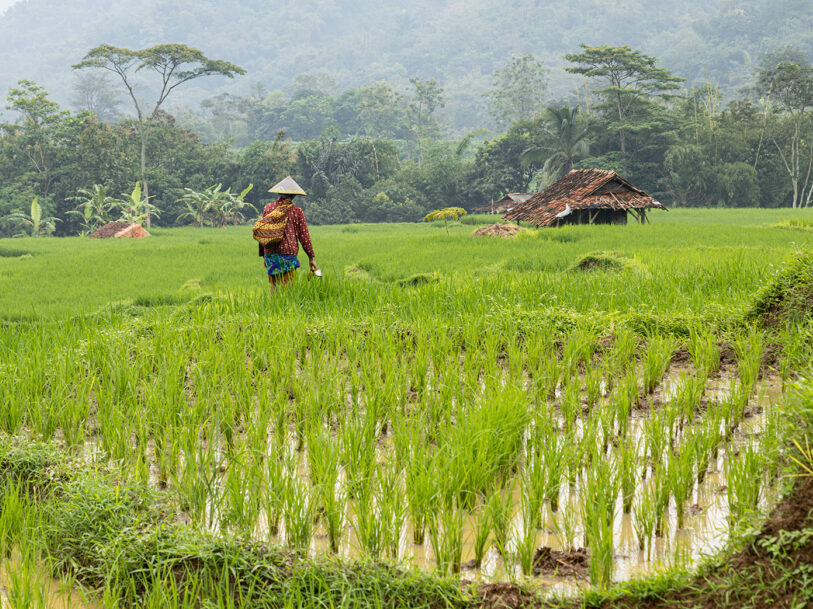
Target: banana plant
column 94, row 206
column 38, row 224
column 134, row 207
column 198, row 203
column 237, row 204
column 224, row 206
column 219, row 206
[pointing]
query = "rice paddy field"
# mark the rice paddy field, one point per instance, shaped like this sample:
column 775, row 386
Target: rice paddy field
column 592, row 415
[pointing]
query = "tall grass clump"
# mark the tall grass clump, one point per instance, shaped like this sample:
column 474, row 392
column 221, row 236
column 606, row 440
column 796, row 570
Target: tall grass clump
column 393, row 507
column 420, row 488
column 705, row 353
column 500, row 513
column 598, row 516
column 680, row 474
column 658, row 354
column 446, row 535
column 644, row 517
column 744, row 480
column 298, row 512
column 525, row 530
column 481, row 533
column 329, row 493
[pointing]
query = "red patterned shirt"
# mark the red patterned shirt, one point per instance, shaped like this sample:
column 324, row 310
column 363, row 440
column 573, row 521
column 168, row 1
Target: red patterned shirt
column 296, row 230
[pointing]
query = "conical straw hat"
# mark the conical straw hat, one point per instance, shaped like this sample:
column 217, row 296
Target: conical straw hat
column 288, row 187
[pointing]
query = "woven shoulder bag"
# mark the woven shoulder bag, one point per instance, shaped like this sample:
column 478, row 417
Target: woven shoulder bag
column 270, row 228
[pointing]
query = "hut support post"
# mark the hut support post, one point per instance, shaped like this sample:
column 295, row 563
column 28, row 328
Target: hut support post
column 644, row 219
column 592, row 217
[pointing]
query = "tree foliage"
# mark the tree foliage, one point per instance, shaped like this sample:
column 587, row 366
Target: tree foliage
column 518, row 91
column 686, row 147
column 791, row 86
column 631, row 87
column 356, row 43
column 173, row 64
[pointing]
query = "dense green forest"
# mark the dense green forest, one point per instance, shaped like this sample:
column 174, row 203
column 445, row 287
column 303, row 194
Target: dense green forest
column 389, row 148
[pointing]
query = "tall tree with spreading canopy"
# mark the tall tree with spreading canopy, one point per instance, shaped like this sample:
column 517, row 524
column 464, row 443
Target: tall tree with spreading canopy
column 37, row 133
column 174, row 65
column 427, row 97
column 632, row 82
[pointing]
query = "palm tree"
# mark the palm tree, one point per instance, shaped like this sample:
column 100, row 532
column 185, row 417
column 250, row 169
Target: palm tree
column 328, row 159
column 565, row 132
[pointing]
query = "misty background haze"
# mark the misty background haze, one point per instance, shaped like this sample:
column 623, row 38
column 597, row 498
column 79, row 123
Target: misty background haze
column 460, row 43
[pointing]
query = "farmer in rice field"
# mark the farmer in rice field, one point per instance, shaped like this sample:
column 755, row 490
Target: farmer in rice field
column 285, row 228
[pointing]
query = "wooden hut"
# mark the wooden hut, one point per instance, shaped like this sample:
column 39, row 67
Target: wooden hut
column 507, row 203
column 585, row 196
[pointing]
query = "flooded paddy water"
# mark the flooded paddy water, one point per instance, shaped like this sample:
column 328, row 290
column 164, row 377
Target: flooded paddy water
column 564, row 463
column 705, row 529
column 25, row 585
column 561, row 566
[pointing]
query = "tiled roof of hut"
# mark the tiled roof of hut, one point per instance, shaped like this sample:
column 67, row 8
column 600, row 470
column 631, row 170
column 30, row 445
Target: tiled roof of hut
column 582, row 189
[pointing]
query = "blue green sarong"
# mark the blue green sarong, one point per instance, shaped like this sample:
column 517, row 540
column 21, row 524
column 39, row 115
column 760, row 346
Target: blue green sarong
column 277, row 264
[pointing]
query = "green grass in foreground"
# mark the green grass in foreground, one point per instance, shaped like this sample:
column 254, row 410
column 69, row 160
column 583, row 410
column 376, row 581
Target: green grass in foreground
column 200, row 379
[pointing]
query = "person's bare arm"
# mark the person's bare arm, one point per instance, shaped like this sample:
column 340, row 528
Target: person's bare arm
column 305, row 239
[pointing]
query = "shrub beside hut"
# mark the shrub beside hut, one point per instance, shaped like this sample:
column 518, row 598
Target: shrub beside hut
column 585, row 196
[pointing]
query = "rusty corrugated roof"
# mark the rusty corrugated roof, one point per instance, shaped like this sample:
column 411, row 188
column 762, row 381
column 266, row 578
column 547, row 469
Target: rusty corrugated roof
column 517, row 197
column 505, row 204
column 582, row 189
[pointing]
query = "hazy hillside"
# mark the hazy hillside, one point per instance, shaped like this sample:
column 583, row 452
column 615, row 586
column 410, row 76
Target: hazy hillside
column 458, row 42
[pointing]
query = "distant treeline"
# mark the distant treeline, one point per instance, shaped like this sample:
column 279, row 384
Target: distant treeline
column 371, row 155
